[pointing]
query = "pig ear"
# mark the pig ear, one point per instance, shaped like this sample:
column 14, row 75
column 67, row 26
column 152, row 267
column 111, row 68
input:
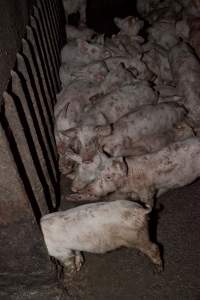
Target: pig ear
column 103, row 130
column 118, row 22
column 71, row 133
column 102, row 39
column 121, row 164
column 73, row 156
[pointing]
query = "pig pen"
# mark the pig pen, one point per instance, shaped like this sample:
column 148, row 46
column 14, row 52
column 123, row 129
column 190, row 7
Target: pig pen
column 31, row 186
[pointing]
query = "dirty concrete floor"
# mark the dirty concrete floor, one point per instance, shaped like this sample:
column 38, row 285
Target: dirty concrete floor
column 126, row 275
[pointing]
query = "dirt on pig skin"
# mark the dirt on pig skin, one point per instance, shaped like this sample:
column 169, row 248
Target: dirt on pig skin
column 125, row 275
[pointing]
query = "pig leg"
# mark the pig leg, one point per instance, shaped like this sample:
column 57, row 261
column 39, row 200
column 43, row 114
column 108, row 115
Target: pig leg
column 68, row 261
column 153, row 252
column 148, row 248
column 147, row 196
column 79, row 260
column 76, row 197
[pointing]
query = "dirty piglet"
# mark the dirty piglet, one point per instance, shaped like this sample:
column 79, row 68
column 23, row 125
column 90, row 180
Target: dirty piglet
column 98, row 228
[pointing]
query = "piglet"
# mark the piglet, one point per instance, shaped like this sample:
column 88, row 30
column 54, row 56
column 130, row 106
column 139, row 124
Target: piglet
column 130, row 25
column 98, row 228
column 82, row 32
column 149, row 120
column 81, row 52
column 93, row 72
column 108, row 110
column 163, row 33
column 148, row 175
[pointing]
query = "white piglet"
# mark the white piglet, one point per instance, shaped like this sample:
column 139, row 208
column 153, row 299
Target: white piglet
column 98, row 228
column 149, row 120
column 81, row 52
column 147, row 175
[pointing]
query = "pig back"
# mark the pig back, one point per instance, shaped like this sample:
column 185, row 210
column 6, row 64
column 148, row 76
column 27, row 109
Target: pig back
column 172, row 167
column 97, row 227
column 186, row 71
column 126, row 99
column 148, row 120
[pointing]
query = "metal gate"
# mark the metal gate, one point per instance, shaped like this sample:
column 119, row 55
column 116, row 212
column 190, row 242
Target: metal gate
column 29, row 178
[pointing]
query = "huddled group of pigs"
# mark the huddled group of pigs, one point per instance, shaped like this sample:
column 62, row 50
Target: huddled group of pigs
column 127, row 126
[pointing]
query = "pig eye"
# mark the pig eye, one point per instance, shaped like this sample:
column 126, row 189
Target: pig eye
column 108, row 177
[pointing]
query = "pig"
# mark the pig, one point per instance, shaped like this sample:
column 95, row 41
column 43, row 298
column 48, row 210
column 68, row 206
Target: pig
column 80, row 94
column 93, row 72
column 119, row 102
column 88, row 171
column 117, row 49
column 174, row 166
column 82, row 52
column 148, row 175
column 116, row 78
column 100, row 166
column 152, row 142
column 132, row 46
column 186, row 72
column 82, row 32
column 128, row 35
column 130, row 25
column 64, row 144
column 161, row 69
column 71, row 102
column 108, row 110
column 134, row 64
column 164, row 14
column 98, row 228
column 133, row 127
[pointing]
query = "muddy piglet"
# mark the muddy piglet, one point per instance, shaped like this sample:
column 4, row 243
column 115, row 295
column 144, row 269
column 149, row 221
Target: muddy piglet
column 144, row 176
column 98, row 228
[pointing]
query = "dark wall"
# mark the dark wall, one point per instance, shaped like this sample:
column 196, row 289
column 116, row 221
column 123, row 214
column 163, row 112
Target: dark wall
column 13, row 18
column 100, row 13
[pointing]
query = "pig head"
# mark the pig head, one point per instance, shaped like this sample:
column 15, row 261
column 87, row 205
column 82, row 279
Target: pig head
column 99, row 176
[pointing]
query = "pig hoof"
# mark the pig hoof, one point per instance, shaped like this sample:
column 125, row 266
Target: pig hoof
column 70, row 271
column 79, row 262
column 158, row 268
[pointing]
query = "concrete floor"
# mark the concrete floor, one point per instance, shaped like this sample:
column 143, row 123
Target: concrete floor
column 125, row 275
